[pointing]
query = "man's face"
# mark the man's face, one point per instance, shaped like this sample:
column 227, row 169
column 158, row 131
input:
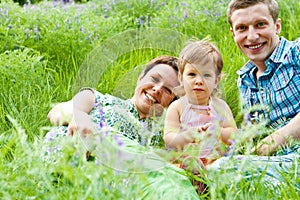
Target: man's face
column 255, row 32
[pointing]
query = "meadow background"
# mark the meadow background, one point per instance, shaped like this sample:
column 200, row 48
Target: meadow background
column 42, row 47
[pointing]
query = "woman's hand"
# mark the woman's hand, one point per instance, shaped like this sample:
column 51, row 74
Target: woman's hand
column 61, row 114
column 81, row 123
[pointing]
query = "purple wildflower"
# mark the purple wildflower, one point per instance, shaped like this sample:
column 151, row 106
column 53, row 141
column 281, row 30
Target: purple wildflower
column 102, row 119
column 27, row 33
column 36, row 30
column 207, row 12
column 125, row 181
column 50, row 136
column 77, row 19
column 247, row 119
column 217, row 14
column 141, row 21
column 185, row 14
column 144, row 125
column 147, row 22
column 117, row 140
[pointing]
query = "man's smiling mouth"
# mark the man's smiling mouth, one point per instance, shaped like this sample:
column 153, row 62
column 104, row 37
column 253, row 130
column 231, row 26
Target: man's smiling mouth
column 255, row 46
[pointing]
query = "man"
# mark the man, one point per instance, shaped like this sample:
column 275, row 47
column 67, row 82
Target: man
column 269, row 88
column 271, row 78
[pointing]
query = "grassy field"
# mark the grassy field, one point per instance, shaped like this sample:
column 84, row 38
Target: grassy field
column 44, row 51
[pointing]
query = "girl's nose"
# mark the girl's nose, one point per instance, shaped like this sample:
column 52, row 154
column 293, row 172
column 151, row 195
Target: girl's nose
column 199, row 80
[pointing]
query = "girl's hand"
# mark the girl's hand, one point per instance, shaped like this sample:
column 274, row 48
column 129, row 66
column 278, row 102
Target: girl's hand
column 61, row 114
column 204, row 127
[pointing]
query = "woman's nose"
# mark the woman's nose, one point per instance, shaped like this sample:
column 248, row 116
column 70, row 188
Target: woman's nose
column 157, row 88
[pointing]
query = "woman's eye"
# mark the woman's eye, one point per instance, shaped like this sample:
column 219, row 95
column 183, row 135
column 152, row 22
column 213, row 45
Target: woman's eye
column 168, row 90
column 155, row 79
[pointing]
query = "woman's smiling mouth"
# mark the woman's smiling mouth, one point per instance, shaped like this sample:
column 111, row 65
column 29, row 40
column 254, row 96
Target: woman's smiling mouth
column 152, row 99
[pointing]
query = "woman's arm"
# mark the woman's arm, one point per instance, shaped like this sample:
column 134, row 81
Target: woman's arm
column 83, row 103
column 61, row 113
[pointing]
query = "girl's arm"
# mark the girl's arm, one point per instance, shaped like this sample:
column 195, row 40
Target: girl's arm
column 229, row 126
column 173, row 136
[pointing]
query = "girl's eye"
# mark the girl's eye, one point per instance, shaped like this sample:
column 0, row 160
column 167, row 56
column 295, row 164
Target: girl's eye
column 191, row 74
column 207, row 75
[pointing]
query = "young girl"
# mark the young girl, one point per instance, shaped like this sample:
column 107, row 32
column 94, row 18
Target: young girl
column 198, row 123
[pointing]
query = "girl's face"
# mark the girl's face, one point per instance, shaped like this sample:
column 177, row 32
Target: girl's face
column 199, row 82
column 154, row 90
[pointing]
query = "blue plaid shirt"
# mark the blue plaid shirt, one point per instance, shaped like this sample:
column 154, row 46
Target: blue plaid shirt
column 276, row 94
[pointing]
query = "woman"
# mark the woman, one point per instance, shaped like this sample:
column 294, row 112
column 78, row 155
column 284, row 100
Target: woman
column 118, row 132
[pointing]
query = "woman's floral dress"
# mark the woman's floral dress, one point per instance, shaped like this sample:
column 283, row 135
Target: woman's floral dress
column 125, row 143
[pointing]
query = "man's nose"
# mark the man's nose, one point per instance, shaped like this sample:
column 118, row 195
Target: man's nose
column 252, row 34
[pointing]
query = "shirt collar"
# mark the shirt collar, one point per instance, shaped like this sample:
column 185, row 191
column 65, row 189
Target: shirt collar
column 281, row 50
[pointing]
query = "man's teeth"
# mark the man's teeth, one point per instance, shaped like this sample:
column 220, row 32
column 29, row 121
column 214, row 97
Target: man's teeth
column 256, row 46
column 150, row 97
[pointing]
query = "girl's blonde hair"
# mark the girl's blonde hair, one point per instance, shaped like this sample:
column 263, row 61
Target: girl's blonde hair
column 198, row 53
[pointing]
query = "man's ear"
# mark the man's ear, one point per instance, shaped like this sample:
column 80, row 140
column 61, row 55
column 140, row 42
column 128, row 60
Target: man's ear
column 278, row 26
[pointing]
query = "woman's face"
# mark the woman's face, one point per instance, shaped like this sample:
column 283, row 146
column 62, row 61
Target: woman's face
column 154, row 90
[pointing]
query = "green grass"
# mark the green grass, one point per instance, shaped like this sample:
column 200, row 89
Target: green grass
column 43, row 48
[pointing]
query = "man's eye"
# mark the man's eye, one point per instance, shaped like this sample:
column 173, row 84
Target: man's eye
column 241, row 28
column 261, row 24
